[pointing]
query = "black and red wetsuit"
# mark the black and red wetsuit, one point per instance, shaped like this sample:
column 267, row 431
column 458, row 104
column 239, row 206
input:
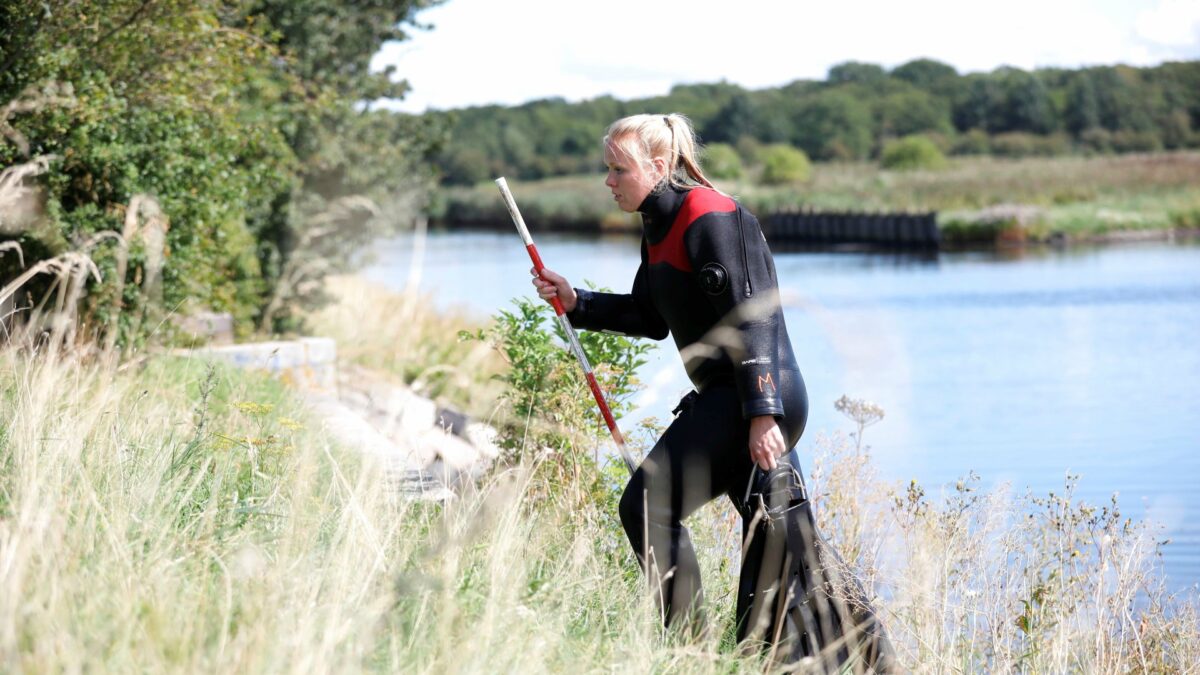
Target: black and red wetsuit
column 705, row 266
column 708, row 278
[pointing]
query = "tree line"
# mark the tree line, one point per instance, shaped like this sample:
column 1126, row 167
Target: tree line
column 231, row 130
column 852, row 115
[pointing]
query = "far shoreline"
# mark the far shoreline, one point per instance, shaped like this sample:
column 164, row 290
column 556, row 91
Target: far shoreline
column 978, row 201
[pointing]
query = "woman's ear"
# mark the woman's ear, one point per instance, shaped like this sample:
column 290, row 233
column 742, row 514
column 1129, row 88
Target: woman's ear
column 660, row 169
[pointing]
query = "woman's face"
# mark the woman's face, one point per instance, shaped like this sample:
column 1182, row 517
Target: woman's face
column 630, row 180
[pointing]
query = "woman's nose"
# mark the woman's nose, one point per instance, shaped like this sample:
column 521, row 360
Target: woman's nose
column 610, row 180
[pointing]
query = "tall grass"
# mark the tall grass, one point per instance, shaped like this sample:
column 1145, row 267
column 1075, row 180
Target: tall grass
column 975, row 581
column 170, row 516
column 177, row 518
column 155, row 521
column 202, row 528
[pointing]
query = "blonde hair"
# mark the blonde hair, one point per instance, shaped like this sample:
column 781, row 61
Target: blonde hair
column 670, row 136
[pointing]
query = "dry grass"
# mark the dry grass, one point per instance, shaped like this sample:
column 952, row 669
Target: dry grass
column 171, row 517
column 991, row 582
column 202, row 528
column 401, row 334
column 184, row 531
column 982, row 181
column 20, row 201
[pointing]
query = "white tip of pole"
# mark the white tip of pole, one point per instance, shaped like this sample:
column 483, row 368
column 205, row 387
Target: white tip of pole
column 513, row 211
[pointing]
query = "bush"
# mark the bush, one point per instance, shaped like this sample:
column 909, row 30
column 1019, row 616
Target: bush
column 974, row 142
column 912, row 152
column 1098, row 141
column 1136, row 141
column 550, row 406
column 1019, row 144
column 784, row 164
column 722, row 161
column 1185, row 218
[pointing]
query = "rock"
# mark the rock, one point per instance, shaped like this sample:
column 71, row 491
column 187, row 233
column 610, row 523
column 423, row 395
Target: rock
column 310, row 363
column 424, row 449
column 214, row 328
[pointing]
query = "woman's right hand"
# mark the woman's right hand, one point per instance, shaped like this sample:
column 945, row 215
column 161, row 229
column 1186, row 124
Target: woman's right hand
column 550, row 285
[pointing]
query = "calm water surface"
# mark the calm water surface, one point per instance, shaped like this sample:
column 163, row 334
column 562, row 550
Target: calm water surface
column 1020, row 368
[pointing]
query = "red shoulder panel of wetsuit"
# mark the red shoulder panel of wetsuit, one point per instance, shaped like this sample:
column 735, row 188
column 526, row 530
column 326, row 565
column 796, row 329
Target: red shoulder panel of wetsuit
column 698, row 202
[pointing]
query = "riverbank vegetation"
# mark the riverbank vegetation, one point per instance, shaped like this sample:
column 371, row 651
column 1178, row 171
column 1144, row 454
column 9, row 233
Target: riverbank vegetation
column 212, row 526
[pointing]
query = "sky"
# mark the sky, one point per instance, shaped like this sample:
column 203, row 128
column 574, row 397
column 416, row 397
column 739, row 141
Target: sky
column 512, row 51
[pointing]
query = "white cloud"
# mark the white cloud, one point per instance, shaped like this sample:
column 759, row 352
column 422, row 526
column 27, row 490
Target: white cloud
column 1172, row 24
column 482, row 51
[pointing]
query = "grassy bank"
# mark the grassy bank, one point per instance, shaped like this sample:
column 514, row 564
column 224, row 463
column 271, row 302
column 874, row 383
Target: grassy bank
column 203, row 528
column 1070, row 197
column 165, row 516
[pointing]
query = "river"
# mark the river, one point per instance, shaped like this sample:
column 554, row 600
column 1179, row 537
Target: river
column 1020, row 366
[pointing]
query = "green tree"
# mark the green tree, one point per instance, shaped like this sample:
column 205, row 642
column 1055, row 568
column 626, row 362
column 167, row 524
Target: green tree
column 243, row 120
column 856, row 72
column 978, row 106
column 933, row 77
column 849, row 115
column 1026, row 105
column 909, row 112
column 833, row 124
column 1083, row 107
column 735, row 119
column 774, row 117
column 162, row 105
column 1120, row 99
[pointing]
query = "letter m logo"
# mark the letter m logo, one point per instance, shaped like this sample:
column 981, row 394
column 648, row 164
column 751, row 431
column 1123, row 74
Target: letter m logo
column 766, row 381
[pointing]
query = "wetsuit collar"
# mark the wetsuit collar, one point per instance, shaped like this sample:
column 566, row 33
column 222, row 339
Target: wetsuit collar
column 658, row 209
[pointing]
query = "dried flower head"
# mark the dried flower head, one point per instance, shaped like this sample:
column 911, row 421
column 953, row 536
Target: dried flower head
column 863, row 412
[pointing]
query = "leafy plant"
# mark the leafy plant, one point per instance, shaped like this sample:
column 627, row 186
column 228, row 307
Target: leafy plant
column 550, row 409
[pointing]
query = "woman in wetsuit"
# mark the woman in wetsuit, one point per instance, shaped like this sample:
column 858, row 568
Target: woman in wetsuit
column 707, row 277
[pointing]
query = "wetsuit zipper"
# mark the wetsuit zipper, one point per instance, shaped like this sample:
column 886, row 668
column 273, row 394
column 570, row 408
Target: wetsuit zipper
column 745, row 260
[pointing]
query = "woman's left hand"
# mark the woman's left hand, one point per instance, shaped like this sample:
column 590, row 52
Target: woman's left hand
column 766, row 442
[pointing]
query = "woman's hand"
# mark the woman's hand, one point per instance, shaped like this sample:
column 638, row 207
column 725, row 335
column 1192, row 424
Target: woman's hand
column 766, row 442
column 550, row 285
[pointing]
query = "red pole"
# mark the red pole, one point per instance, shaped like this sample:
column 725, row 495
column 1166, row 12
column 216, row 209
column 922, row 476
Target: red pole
column 568, row 329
